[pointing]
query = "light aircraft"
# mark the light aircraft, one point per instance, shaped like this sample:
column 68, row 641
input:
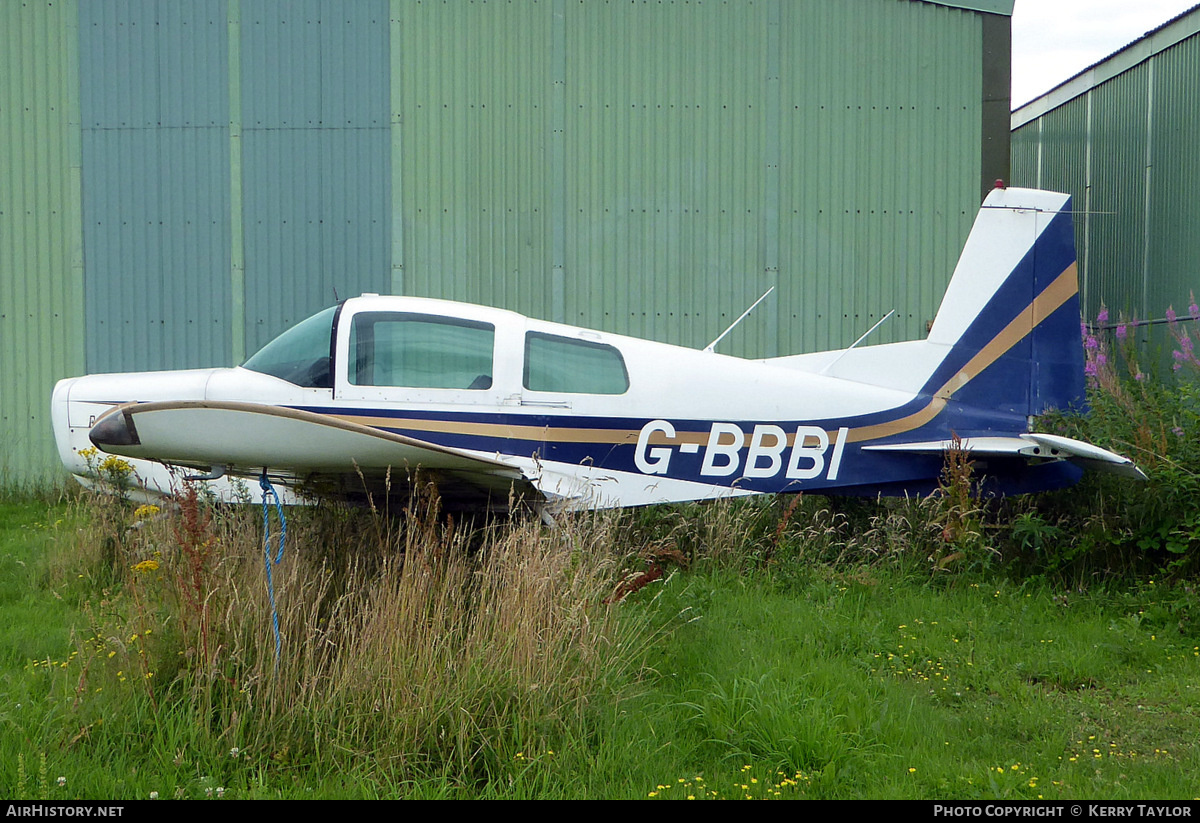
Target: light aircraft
column 491, row 404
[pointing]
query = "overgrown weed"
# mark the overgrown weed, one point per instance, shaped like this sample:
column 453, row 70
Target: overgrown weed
column 405, row 638
column 1112, row 525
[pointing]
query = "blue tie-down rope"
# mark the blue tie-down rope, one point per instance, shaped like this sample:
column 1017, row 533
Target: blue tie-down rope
column 269, row 491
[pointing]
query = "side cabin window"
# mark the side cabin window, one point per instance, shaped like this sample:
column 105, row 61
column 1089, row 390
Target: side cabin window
column 301, row 354
column 568, row 365
column 420, row 351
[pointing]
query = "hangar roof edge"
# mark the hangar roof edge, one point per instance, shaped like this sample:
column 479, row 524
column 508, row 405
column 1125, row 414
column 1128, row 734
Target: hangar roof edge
column 1175, row 30
column 1004, row 7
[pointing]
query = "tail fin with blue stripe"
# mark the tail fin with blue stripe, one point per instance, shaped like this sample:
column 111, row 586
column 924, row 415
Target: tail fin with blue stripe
column 1010, row 319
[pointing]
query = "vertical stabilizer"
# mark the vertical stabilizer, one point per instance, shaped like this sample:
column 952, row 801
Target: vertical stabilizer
column 1011, row 315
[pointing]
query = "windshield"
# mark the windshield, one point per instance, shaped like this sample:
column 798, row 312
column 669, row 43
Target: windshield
column 300, row 355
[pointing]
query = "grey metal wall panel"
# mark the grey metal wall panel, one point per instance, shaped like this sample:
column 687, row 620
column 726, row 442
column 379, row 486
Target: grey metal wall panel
column 317, row 153
column 157, row 244
column 314, row 64
column 155, row 214
column 152, row 63
column 316, row 223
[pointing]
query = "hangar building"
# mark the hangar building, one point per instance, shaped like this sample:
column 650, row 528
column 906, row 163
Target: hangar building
column 181, row 181
column 1124, row 138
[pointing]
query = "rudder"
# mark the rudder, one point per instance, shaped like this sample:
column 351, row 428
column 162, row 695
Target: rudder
column 1011, row 315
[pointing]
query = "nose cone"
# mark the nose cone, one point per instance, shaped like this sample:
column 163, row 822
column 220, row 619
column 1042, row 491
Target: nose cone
column 116, row 429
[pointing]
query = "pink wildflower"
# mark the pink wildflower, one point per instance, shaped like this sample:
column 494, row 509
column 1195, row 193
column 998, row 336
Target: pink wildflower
column 1171, row 315
column 1102, row 317
column 1122, row 331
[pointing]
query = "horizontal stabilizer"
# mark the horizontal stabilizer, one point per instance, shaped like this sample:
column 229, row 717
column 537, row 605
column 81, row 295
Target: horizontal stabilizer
column 1033, row 446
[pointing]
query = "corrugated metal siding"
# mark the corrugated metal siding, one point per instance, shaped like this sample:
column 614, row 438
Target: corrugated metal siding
column 316, row 162
column 1064, row 154
column 155, row 191
column 610, row 164
column 664, row 167
column 41, row 301
column 651, row 168
column 1116, row 236
column 1025, row 152
column 1174, row 254
column 882, row 181
column 645, row 167
column 1064, row 158
column 314, row 172
column 1132, row 165
column 475, row 93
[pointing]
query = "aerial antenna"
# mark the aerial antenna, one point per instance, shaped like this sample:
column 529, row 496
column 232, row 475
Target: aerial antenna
column 711, row 345
column 865, row 335
column 335, row 295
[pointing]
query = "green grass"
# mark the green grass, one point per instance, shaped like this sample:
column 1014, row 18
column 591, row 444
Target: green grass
column 810, row 679
column 889, row 688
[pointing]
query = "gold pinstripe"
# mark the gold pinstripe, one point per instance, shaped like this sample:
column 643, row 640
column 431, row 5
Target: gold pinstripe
column 1052, row 297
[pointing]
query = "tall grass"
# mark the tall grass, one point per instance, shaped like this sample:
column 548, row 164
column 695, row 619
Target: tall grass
column 420, row 661
column 408, row 643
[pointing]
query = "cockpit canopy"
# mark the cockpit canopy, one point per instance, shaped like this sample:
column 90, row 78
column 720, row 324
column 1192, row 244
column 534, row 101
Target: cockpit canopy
column 423, row 350
column 301, row 355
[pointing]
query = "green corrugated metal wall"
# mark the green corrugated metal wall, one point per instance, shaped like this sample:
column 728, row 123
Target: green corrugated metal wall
column 1125, row 145
column 651, row 168
column 643, row 167
column 883, row 170
column 1174, row 254
column 41, row 258
column 473, row 99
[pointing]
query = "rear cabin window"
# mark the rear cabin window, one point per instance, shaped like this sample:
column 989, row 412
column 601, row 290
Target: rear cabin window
column 567, row 365
column 420, row 351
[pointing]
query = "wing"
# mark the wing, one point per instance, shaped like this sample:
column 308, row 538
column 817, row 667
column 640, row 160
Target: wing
column 328, row 453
